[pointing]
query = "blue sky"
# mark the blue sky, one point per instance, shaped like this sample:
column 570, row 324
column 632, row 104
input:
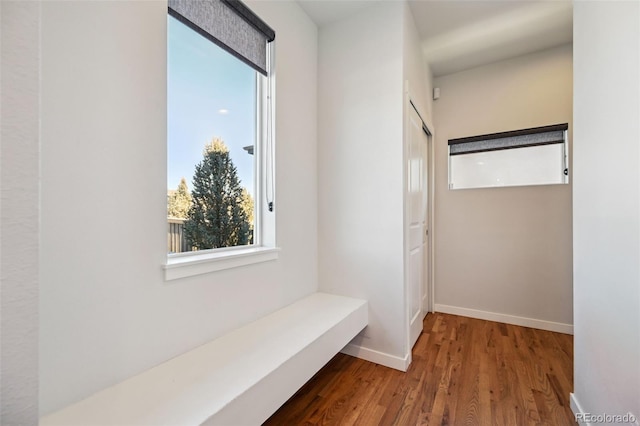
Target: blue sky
column 210, row 94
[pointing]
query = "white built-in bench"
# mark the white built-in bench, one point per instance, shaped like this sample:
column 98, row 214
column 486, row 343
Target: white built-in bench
column 240, row 378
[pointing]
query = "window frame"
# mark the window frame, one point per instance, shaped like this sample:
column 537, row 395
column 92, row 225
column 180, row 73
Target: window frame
column 264, row 248
column 518, row 142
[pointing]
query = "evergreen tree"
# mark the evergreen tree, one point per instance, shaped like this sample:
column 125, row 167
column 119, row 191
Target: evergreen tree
column 179, row 201
column 248, row 207
column 216, row 217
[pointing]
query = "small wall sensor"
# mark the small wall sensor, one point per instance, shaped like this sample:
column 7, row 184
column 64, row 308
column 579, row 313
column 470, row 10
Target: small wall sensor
column 436, row 93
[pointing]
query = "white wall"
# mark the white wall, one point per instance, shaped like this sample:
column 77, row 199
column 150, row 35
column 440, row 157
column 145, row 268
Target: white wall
column 606, row 200
column 360, row 222
column 504, row 251
column 105, row 311
column 415, row 69
column 19, row 186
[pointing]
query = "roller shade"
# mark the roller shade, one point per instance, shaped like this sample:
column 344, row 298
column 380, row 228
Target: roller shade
column 508, row 140
column 231, row 25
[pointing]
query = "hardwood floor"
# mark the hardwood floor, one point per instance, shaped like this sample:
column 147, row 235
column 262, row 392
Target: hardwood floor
column 464, row 372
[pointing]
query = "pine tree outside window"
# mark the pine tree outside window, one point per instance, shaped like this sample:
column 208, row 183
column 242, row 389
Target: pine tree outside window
column 220, row 194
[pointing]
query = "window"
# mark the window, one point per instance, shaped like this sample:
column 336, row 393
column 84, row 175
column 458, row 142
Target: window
column 537, row 156
column 220, row 186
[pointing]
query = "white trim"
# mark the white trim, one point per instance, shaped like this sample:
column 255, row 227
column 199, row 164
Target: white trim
column 381, row 358
column 405, row 231
column 197, row 264
column 505, row 318
column 266, row 149
column 576, row 408
column 432, row 214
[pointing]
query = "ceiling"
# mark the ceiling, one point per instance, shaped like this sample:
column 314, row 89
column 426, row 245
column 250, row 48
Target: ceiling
column 325, row 12
column 461, row 34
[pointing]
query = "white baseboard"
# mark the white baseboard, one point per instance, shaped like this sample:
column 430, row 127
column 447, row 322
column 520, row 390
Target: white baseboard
column 576, row 408
column 508, row 319
column 381, row 358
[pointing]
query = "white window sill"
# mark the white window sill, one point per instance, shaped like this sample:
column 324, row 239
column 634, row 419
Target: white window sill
column 197, row 264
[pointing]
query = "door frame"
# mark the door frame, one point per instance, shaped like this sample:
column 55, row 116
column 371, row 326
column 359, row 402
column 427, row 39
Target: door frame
column 430, row 257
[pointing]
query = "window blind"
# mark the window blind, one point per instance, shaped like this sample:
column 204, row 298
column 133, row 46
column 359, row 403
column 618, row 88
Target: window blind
column 536, row 136
column 231, row 25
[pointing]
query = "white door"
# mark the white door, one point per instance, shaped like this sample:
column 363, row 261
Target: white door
column 417, row 218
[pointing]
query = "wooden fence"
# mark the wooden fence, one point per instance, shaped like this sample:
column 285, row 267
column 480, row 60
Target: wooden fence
column 176, row 241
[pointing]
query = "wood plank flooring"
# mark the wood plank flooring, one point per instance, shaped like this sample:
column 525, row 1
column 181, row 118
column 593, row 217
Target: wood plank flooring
column 464, row 372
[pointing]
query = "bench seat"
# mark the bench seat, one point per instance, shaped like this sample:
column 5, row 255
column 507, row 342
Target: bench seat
column 240, row 378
